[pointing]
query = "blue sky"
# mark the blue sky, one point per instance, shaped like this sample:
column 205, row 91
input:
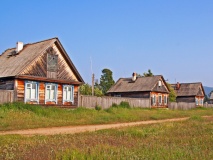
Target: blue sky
column 172, row 38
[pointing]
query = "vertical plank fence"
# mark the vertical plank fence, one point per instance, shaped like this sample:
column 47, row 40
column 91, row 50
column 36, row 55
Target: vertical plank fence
column 106, row 102
column 6, row 96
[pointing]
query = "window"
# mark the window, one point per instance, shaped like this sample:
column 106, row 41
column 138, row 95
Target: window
column 165, row 99
column 31, row 91
column 160, row 99
column 51, row 92
column 153, row 102
column 68, row 93
column 201, row 102
column 196, row 101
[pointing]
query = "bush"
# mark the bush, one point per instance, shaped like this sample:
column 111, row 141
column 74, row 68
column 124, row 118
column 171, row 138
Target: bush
column 98, row 108
column 124, row 104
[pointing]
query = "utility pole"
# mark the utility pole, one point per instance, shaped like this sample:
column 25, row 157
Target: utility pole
column 93, row 80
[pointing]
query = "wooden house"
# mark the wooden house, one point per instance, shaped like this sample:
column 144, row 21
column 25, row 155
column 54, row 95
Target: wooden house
column 153, row 88
column 40, row 73
column 190, row 92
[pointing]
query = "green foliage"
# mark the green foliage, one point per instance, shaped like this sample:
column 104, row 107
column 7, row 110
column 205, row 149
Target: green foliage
column 172, row 94
column 106, row 80
column 98, row 108
column 124, row 104
column 148, row 74
column 86, row 89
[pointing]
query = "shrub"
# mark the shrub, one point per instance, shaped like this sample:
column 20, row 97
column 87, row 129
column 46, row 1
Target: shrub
column 124, row 104
column 98, row 108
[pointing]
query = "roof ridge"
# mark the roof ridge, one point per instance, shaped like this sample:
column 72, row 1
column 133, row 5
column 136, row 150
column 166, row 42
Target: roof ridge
column 42, row 40
column 29, row 44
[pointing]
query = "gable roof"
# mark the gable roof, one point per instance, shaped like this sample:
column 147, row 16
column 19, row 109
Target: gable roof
column 13, row 65
column 140, row 84
column 190, row 89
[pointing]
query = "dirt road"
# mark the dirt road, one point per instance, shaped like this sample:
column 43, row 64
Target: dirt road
column 85, row 128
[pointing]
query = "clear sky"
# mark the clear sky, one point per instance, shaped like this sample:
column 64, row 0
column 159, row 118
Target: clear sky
column 173, row 38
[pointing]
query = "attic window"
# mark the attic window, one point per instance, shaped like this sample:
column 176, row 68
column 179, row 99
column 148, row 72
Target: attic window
column 52, row 62
column 159, row 83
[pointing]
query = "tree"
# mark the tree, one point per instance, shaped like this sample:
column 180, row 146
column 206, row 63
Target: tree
column 106, row 80
column 149, row 74
column 172, row 94
column 86, row 89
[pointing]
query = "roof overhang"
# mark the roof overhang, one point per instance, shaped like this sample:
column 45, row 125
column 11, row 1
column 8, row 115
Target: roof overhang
column 44, row 79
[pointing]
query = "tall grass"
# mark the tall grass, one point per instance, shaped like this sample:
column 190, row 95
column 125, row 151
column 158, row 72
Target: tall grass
column 191, row 139
column 23, row 116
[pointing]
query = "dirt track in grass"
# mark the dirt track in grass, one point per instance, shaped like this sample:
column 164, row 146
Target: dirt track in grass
column 84, row 128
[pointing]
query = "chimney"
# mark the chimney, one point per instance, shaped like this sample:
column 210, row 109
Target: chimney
column 134, row 76
column 177, row 86
column 19, row 46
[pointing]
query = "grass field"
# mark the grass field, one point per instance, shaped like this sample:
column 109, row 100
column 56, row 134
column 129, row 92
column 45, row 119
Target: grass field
column 191, row 139
column 24, row 116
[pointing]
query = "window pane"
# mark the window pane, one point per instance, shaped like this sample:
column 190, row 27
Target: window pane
column 65, row 94
column 69, row 94
column 52, row 94
column 28, row 93
column 48, row 94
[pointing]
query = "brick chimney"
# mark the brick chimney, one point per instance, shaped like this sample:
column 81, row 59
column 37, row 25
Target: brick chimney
column 19, row 46
column 177, row 86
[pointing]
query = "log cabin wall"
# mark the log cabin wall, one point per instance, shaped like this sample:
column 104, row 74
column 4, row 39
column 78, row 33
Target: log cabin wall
column 188, row 99
column 132, row 94
column 21, row 96
column 164, row 99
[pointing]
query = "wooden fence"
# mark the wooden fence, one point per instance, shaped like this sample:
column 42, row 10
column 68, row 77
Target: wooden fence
column 181, row 105
column 6, row 96
column 106, row 102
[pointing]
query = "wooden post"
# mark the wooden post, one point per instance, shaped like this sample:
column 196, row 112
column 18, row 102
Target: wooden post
column 93, row 80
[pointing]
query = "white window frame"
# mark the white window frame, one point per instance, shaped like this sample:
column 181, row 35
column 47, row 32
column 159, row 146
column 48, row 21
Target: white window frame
column 154, row 99
column 159, row 99
column 28, row 85
column 65, row 93
column 201, row 102
column 196, row 101
column 47, row 97
column 165, row 99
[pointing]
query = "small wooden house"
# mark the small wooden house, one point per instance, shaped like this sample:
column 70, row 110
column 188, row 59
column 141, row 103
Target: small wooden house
column 153, row 88
column 190, row 93
column 40, row 73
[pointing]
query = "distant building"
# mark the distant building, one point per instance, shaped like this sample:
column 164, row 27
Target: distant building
column 190, row 92
column 153, row 88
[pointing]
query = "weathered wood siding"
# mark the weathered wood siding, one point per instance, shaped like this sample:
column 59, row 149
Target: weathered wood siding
column 106, row 102
column 157, row 103
column 188, row 99
column 7, row 84
column 39, row 67
column 21, row 90
column 6, row 96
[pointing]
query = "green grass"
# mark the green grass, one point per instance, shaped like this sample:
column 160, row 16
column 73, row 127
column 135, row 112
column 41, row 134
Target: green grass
column 15, row 116
column 190, row 139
